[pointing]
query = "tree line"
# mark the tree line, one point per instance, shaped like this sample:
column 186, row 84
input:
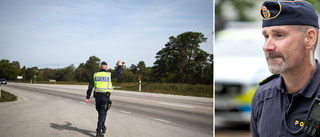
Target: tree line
column 180, row 61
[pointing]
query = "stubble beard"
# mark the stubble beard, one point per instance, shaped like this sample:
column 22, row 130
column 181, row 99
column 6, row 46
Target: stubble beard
column 277, row 69
column 276, row 62
column 279, row 65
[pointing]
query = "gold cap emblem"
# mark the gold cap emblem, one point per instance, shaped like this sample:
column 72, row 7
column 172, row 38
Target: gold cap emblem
column 265, row 12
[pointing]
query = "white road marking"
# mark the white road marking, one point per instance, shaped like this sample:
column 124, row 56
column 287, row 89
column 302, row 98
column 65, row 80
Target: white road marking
column 69, row 99
column 126, row 112
column 166, row 121
column 176, row 105
column 83, row 102
column 62, row 90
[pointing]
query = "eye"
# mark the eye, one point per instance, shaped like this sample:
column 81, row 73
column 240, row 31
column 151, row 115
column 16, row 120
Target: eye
column 266, row 37
column 279, row 35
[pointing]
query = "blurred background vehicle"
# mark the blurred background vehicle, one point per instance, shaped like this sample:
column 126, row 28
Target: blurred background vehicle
column 239, row 67
column 3, row 81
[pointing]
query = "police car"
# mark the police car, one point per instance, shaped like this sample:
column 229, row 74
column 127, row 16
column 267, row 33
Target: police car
column 239, row 67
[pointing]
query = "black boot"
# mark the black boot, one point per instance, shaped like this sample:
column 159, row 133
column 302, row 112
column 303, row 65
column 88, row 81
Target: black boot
column 104, row 130
column 99, row 135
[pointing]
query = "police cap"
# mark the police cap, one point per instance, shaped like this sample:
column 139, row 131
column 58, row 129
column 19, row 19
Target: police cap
column 288, row 12
column 104, row 63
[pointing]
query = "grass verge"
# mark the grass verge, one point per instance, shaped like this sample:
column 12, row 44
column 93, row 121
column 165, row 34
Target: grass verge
column 170, row 88
column 164, row 88
column 62, row 82
column 6, row 96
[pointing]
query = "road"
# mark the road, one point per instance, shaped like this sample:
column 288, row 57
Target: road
column 60, row 110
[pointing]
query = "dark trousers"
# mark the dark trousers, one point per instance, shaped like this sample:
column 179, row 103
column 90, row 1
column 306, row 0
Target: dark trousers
column 101, row 101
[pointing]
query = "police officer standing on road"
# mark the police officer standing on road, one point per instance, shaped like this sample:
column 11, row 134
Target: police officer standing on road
column 281, row 103
column 102, row 84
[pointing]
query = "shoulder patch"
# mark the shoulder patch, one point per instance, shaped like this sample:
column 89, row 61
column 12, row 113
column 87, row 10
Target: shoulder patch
column 266, row 80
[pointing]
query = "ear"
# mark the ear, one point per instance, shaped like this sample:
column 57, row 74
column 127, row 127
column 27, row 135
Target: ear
column 310, row 38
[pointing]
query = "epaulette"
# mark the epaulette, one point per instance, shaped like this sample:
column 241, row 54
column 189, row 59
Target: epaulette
column 266, row 80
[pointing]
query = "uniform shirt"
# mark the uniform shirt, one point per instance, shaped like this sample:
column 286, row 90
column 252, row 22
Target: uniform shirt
column 114, row 74
column 271, row 100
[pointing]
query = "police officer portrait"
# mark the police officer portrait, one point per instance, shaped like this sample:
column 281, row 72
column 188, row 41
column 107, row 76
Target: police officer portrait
column 286, row 104
column 102, row 84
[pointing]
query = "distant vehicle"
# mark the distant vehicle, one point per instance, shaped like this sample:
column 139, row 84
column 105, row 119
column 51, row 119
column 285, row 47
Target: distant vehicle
column 239, row 67
column 3, row 81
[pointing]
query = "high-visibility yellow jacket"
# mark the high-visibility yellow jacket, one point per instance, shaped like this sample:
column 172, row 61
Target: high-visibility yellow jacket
column 102, row 82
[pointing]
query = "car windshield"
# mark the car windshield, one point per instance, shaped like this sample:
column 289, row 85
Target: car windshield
column 2, row 79
column 239, row 48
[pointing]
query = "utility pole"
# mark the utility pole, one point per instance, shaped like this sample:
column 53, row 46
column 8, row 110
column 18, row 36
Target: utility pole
column 202, row 73
column 139, row 83
column 140, row 86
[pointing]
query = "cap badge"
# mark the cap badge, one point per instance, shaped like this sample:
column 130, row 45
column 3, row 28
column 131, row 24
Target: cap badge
column 266, row 12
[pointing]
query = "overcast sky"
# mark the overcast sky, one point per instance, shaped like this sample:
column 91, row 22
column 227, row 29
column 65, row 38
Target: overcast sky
column 58, row 33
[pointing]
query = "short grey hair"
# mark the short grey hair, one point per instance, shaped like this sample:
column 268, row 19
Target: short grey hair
column 304, row 28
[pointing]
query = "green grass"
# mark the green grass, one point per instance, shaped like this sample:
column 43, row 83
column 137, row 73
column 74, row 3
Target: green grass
column 164, row 88
column 61, row 82
column 6, row 96
column 170, row 88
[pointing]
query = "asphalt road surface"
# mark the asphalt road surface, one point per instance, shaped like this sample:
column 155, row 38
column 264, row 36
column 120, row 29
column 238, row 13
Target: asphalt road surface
column 61, row 111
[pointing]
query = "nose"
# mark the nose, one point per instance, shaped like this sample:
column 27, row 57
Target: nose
column 268, row 45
